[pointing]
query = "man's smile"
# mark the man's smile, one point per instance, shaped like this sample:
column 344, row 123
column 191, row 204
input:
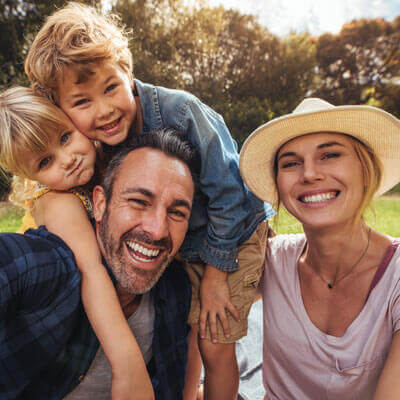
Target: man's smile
column 141, row 252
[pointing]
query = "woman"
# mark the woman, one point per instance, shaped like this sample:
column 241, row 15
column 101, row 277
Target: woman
column 331, row 295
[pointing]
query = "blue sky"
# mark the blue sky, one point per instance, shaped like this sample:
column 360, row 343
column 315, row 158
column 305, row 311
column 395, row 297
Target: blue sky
column 314, row 16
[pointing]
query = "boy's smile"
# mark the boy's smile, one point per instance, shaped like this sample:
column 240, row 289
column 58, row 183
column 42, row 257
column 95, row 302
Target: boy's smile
column 100, row 102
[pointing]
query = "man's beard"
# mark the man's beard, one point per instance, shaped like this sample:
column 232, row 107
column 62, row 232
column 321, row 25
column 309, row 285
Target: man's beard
column 134, row 280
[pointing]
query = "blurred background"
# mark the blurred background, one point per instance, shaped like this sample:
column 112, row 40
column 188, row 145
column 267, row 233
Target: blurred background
column 250, row 60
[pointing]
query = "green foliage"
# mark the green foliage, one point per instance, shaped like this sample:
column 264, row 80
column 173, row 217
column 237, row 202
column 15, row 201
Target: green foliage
column 359, row 63
column 19, row 22
column 229, row 60
column 244, row 116
column 10, row 217
column 384, row 217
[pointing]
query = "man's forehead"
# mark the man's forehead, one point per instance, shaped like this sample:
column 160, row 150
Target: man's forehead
column 149, row 167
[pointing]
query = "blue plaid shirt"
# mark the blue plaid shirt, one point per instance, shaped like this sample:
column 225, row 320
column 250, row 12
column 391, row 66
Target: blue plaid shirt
column 46, row 341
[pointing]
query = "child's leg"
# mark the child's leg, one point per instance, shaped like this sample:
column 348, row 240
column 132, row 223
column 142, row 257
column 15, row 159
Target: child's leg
column 221, row 370
column 219, row 359
column 194, row 367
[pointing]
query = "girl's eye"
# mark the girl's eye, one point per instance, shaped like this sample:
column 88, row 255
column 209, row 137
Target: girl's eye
column 44, row 162
column 111, row 87
column 65, row 137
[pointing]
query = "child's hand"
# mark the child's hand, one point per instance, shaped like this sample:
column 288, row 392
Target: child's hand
column 129, row 386
column 215, row 299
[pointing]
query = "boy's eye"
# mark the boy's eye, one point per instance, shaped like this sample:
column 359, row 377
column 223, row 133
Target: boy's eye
column 44, row 162
column 111, row 87
column 80, row 102
column 65, row 137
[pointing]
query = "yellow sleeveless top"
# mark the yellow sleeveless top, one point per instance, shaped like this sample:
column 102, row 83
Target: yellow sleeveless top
column 29, row 222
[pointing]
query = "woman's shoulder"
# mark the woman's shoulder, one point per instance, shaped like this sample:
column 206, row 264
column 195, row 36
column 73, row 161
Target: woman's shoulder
column 286, row 242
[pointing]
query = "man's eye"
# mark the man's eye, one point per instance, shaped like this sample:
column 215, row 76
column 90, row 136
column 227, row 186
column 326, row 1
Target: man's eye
column 111, row 87
column 177, row 214
column 138, row 202
column 65, row 137
column 44, row 162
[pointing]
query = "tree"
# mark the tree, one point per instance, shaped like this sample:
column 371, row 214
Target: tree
column 152, row 23
column 365, row 54
column 19, row 22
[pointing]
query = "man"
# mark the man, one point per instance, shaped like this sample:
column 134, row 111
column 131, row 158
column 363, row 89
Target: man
column 141, row 212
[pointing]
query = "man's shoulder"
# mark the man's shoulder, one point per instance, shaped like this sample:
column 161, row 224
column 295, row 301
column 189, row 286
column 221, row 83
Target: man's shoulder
column 23, row 255
column 38, row 239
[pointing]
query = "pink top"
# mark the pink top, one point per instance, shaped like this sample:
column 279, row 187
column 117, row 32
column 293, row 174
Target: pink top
column 302, row 362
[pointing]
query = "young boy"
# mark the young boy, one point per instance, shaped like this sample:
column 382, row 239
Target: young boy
column 81, row 60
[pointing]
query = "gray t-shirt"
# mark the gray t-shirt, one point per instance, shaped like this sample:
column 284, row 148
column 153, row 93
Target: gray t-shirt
column 301, row 361
column 97, row 382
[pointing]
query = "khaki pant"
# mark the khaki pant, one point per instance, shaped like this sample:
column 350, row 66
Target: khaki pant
column 242, row 283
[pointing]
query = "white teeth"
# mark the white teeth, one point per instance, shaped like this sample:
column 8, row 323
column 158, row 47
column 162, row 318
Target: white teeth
column 318, row 197
column 143, row 250
column 110, row 126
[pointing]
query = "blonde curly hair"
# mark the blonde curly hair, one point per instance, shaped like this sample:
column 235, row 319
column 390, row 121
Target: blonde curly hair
column 75, row 36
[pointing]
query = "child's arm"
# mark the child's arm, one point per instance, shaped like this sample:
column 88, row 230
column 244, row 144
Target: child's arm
column 64, row 215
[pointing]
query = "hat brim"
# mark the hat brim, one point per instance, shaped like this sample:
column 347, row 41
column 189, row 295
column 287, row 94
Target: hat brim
column 372, row 126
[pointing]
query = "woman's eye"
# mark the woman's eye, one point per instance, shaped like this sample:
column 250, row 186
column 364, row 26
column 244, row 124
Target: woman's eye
column 44, row 162
column 331, row 155
column 65, row 137
column 289, row 164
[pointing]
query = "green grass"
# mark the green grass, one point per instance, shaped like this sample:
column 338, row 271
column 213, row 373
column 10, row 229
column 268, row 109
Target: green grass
column 386, row 219
column 10, row 217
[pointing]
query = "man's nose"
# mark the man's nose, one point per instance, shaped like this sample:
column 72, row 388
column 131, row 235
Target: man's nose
column 155, row 223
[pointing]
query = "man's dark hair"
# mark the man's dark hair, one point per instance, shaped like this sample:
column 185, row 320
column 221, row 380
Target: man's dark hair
column 168, row 140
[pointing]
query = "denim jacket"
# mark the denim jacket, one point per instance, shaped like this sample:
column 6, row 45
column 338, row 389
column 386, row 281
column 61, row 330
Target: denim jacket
column 225, row 213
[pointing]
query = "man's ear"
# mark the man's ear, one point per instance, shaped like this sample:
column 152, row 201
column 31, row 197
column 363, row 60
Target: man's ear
column 99, row 203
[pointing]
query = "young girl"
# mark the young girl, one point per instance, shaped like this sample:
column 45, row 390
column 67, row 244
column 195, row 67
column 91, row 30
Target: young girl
column 39, row 143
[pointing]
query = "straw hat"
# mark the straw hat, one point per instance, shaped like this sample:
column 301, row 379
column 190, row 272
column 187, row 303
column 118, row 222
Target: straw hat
column 372, row 126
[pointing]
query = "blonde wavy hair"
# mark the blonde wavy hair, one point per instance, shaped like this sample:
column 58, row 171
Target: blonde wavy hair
column 27, row 124
column 22, row 192
column 75, row 36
